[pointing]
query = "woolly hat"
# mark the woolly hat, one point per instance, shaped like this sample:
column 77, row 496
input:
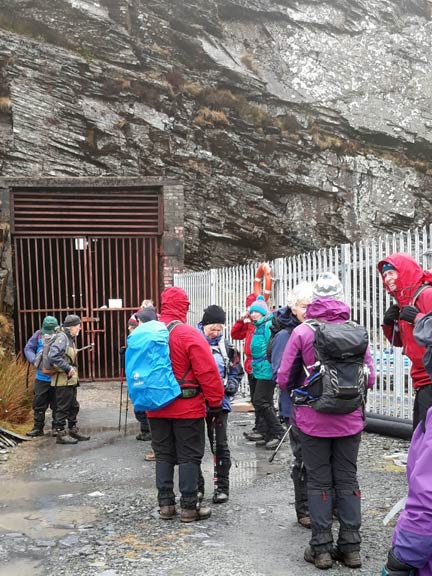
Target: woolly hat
column 146, row 315
column 328, row 286
column 260, row 305
column 213, row 315
column 71, row 320
column 387, row 266
column 49, row 325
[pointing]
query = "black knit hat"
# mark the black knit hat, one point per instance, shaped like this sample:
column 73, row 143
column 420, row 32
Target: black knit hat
column 213, row 315
column 71, row 320
column 146, row 315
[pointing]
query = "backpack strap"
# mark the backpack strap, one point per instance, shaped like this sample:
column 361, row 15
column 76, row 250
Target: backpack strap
column 419, row 290
column 190, row 388
column 220, row 348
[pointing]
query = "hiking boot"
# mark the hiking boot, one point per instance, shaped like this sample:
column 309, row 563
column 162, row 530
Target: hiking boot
column 254, row 436
column 150, row 456
column 64, row 438
column 220, row 497
column 260, row 442
column 35, row 432
column 350, row 559
column 195, row 515
column 75, row 433
column 145, row 436
column 272, row 444
column 167, row 512
column 304, row 521
column 323, row 561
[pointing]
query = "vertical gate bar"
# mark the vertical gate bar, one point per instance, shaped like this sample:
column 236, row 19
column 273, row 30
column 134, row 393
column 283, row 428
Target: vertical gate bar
column 90, row 308
column 68, row 266
column 138, row 271
column 131, row 278
column 110, row 295
column 155, row 242
column 21, row 302
column 104, row 242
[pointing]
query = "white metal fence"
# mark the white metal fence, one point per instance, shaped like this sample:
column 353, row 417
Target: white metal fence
column 356, row 266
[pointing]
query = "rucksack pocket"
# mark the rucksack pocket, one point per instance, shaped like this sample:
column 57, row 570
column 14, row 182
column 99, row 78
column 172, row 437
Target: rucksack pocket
column 343, row 385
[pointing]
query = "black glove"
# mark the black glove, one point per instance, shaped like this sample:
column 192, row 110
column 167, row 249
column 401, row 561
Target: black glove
column 395, row 567
column 409, row 313
column 214, row 412
column 391, row 314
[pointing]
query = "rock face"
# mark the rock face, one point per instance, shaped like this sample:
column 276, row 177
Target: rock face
column 292, row 125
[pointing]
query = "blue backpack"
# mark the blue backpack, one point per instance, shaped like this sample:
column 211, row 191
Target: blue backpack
column 150, row 379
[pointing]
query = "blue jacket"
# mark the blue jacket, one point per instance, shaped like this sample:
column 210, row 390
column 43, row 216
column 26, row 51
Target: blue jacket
column 261, row 367
column 235, row 374
column 32, row 348
column 286, row 321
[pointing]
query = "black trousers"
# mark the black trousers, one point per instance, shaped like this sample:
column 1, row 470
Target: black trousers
column 67, row 406
column 422, row 402
column 44, row 398
column 143, row 420
column 298, row 474
column 264, row 406
column 331, row 464
column 218, row 438
column 177, row 441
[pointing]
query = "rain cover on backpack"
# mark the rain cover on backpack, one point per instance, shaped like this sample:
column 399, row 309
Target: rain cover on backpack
column 336, row 383
column 150, row 379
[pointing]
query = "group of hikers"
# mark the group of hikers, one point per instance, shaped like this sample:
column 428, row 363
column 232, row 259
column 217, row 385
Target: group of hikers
column 321, row 362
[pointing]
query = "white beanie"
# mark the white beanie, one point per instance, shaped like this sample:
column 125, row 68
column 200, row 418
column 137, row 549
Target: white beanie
column 328, row 286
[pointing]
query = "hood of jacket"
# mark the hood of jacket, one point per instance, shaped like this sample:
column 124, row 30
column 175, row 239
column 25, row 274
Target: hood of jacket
column 250, row 299
column 410, row 276
column 328, row 310
column 286, row 319
column 174, row 304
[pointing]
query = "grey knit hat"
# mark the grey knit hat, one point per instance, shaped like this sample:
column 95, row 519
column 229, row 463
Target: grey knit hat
column 71, row 320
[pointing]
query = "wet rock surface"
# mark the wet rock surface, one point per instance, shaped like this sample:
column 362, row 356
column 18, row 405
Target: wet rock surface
column 292, row 125
column 90, row 509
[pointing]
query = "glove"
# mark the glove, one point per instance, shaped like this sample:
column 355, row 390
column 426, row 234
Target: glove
column 230, row 388
column 409, row 313
column 391, row 314
column 214, row 412
column 395, row 567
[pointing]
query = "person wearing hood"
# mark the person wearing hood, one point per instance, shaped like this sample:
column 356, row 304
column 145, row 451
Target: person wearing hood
column 44, row 393
column 410, row 285
column 62, row 356
column 329, row 442
column 231, row 373
column 243, row 329
column 287, row 319
column 262, row 371
column 178, row 435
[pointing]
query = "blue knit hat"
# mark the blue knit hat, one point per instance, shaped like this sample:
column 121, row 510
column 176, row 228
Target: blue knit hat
column 260, row 305
column 387, row 266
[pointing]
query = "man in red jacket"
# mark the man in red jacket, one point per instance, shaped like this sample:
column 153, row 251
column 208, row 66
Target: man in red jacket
column 178, row 429
column 411, row 286
column 244, row 329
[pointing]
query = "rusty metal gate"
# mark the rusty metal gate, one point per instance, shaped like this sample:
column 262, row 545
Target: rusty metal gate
column 92, row 254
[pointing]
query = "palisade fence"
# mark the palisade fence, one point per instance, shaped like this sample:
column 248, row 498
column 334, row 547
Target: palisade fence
column 356, row 266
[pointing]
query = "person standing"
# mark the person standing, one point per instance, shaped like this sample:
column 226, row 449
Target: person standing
column 44, row 393
column 262, row 371
column 243, row 329
column 231, row 373
column 410, row 285
column 62, row 356
column 329, row 441
column 178, row 429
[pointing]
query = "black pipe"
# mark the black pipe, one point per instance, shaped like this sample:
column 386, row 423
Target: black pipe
column 389, row 426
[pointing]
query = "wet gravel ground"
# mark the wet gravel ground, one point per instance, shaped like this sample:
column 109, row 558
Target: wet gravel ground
column 90, row 509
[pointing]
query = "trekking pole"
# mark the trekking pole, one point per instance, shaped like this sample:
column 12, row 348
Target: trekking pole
column 126, row 414
column 27, row 375
column 86, row 347
column 281, row 441
column 122, row 353
column 213, row 449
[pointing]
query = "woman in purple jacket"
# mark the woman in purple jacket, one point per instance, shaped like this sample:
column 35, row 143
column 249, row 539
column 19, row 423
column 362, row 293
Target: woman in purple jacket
column 330, row 442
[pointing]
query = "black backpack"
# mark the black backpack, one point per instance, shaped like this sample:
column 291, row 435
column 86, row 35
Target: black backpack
column 275, row 328
column 336, row 383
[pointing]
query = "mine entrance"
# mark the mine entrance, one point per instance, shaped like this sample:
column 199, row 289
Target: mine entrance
column 94, row 253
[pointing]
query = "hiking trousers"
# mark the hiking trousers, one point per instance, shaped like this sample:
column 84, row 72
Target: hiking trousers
column 67, row 406
column 44, row 398
column 422, row 402
column 331, row 464
column 264, row 406
column 298, row 474
column 177, row 441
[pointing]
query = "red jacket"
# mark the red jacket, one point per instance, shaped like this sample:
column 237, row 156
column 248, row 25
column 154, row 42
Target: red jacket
column 188, row 349
column 410, row 277
column 244, row 329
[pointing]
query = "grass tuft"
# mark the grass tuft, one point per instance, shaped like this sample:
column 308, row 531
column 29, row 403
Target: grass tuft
column 15, row 397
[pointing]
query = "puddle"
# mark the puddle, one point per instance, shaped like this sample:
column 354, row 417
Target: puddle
column 28, row 490
column 20, row 568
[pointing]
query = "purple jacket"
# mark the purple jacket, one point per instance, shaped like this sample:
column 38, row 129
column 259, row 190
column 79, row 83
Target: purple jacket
column 412, row 539
column 299, row 351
